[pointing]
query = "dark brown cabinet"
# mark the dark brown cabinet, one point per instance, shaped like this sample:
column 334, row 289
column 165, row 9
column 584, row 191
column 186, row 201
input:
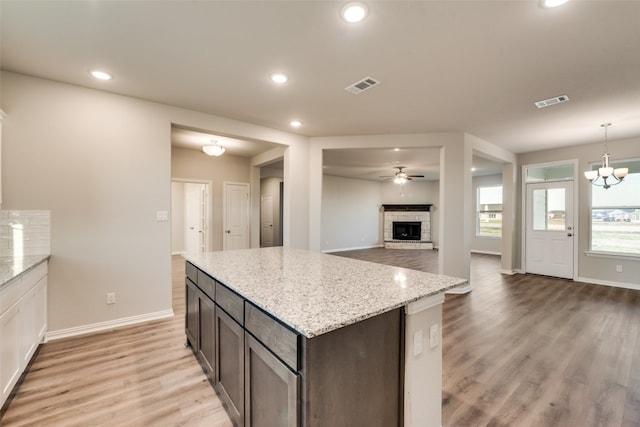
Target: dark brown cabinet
column 271, row 388
column 192, row 302
column 207, row 347
column 230, row 365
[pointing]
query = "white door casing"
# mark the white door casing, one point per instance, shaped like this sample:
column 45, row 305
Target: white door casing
column 266, row 220
column 549, row 248
column 236, row 216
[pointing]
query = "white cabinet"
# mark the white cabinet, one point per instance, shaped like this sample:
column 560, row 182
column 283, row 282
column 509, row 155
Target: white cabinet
column 23, row 324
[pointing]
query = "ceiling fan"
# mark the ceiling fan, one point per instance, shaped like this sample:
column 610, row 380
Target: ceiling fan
column 401, row 176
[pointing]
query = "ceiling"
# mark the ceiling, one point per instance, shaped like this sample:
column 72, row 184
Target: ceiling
column 476, row 67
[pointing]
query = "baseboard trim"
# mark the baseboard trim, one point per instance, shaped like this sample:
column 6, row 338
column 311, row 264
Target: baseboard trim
column 355, row 248
column 109, row 324
column 178, row 253
column 473, row 251
column 608, row 283
column 509, row 272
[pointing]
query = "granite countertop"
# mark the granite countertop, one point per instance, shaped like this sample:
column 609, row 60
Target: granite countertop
column 12, row 267
column 316, row 293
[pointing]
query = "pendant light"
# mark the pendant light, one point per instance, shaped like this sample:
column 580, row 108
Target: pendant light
column 606, row 172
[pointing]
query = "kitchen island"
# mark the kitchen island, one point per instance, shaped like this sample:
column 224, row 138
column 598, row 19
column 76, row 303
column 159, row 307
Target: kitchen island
column 297, row 338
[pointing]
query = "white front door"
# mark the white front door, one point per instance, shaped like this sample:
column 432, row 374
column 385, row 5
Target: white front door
column 550, row 229
column 195, row 217
column 266, row 219
column 236, row 216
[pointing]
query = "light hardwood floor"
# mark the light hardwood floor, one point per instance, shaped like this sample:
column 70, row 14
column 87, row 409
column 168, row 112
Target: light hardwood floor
column 141, row 375
column 518, row 350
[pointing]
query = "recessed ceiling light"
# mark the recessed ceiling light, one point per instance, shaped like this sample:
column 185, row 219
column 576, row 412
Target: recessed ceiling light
column 101, row 75
column 396, row 149
column 552, row 3
column 473, row 169
column 354, row 12
column 279, row 78
column 295, row 123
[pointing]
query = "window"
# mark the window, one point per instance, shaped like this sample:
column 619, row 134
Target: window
column 615, row 214
column 489, row 212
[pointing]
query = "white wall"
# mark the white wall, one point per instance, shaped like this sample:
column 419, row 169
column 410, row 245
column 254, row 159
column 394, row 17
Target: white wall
column 490, row 245
column 193, row 164
column 590, row 268
column 351, row 215
column 177, row 217
column 102, row 164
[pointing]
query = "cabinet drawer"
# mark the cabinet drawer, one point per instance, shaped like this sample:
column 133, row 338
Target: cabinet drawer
column 282, row 341
column 192, row 272
column 230, row 302
column 207, row 285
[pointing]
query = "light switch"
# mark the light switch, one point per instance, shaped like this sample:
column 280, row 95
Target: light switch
column 162, row 216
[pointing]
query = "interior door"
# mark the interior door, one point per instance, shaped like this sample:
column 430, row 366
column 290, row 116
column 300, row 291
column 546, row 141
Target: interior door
column 549, row 232
column 195, row 218
column 236, row 216
column 266, row 219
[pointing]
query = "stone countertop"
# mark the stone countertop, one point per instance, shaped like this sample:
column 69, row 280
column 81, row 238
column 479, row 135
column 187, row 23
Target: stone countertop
column 12, row 267
column 316, row 293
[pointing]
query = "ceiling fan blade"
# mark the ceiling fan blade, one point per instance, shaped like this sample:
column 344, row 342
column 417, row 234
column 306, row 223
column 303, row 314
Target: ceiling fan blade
column 417, row 176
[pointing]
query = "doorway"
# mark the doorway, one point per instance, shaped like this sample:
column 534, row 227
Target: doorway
column 236, row 216
column 190, row 216
column 549, row 234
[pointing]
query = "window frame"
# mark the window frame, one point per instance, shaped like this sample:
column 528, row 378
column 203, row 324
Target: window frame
column 480, row 211
column 601, row 253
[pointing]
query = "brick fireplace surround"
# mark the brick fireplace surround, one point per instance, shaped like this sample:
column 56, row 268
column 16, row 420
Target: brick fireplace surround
column 420, row 213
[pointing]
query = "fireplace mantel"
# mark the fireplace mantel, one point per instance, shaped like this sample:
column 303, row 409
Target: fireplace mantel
column 406, row 208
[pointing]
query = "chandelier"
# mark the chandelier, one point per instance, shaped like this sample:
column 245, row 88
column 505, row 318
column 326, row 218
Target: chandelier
column 606, row 172
column 213, row 149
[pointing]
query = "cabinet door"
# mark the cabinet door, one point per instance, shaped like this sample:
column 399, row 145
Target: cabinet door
column 192, row 314
column 271, row 389
column 9, row 351
column 206, row 351
column 230, row 364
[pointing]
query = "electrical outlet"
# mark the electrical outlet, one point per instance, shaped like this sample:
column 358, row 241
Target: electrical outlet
column 111, row 298
column 619, row 268
column 417, row 343
column 434, row 335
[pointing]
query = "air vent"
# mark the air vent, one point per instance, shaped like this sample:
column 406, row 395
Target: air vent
column 552, row 101
column 362, row 85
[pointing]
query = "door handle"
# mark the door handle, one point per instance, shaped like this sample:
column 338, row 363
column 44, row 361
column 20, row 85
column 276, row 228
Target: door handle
column 227, row 231
column 569, row 234
column 569, row 228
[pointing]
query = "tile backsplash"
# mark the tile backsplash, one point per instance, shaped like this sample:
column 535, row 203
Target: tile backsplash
column 24, row 233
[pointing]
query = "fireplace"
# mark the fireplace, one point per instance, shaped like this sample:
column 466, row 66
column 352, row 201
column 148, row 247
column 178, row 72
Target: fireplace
column 407, row 230
column 407, row 226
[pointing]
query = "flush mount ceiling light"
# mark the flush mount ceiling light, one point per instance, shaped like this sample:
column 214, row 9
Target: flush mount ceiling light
column 213, row 149
column 295, row 123
column 354, row 12
column 101, row 75
column 605, row 172
column 552, row 3
column 279, row 78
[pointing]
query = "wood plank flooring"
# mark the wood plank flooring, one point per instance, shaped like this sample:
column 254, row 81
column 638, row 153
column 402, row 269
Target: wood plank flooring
column 518, row 350
column 529, row 350
column 141, row 375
